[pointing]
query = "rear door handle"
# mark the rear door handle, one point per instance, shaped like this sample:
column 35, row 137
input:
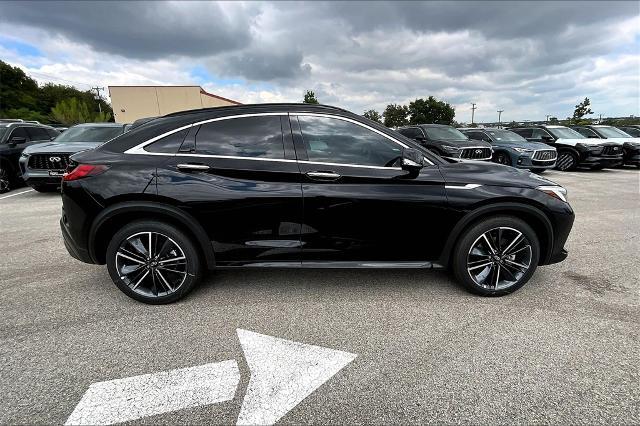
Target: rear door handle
column 189, row 166
column 323, row 175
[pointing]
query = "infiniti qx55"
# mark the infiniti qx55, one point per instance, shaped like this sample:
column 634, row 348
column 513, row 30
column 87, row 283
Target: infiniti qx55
column 289, row 185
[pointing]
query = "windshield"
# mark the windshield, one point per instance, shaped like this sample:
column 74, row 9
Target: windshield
column 445, row 133
column 3, row 130
column 565, row 133
column 505, row 136
column 89, row 134
column 612, row 132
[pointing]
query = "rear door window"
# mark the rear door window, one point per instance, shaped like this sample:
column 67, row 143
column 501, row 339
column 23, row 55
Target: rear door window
column 20, row 132
column 169, row 144
column 539, row 133
column 412, row 133
column 252, row 137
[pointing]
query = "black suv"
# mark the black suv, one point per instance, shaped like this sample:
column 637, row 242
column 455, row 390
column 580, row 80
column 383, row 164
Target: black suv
column 447, row 141
column 630, row 144
column 15, row 136
column 574, row 149
column 294, row 185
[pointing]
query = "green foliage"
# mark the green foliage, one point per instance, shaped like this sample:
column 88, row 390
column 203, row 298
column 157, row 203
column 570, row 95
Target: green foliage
column 396, row 115
column 553, row 120
column 373, row 115
column 74, row 111
column 310, row 98
column 621, row 121
column 430, row 110
column 20, row 97
column 582, row 109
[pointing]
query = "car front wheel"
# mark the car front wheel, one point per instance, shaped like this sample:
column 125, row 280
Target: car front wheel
column 496, row 256
column 153, row 262
column 5, row 180
column 567, row 161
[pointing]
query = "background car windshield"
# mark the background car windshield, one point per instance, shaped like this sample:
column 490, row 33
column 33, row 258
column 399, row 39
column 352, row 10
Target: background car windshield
column 89, row 134
column 505, row 136
column 612, row 132
column 565, row 133
column 3, row 130
column 445, row 133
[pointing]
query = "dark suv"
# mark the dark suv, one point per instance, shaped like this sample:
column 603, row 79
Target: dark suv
column 511, row 149
column 42, row 165
column 574, row 149
column 630, row 144
column 295, row 185
column 447, row 141
column 15, row 136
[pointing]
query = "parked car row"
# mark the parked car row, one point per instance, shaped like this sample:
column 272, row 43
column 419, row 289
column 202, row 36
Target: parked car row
column 39, row 154
column 536, row 148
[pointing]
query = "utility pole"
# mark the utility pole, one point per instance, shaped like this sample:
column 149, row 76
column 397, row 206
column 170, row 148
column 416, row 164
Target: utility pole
column 547, row 120
column 473, row 110
column 98, row 89
column 500, row 111
column 600, row 119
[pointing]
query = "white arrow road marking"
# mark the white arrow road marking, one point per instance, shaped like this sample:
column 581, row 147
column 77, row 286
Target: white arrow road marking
column 135, row 397
column 283, row 373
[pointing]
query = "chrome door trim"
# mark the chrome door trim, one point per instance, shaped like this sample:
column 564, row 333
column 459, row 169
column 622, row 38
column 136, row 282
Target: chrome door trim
column 323, row 175
column 464, row 187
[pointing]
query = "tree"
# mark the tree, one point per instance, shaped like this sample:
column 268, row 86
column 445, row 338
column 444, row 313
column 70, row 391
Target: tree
column 582, row 109
column 74, row 111
column 17, row 90
column 431, row 110
column 373, row 115
column 396, row 115
column 310, row 98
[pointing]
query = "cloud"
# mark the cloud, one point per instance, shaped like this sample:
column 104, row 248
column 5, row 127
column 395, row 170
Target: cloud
column 529, row 58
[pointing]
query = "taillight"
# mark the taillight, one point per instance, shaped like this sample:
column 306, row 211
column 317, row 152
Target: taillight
column 83, row 170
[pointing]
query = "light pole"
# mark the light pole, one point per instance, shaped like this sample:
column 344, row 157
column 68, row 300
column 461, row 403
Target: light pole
column 473, row 110
column 547, row 120
column 500, row 111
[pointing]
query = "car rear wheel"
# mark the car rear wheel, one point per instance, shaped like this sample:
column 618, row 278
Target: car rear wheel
column 153, row 262
column 567, row 161
column 496, row 256
column 5, row 180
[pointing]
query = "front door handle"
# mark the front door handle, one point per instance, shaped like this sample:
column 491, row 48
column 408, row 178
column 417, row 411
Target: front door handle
column 189, row 166
column 323, row 175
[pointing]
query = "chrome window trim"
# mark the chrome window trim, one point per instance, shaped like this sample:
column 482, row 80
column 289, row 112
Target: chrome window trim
column 139, row 149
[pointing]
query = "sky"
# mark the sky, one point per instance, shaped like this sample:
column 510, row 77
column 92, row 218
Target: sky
column 529, row 59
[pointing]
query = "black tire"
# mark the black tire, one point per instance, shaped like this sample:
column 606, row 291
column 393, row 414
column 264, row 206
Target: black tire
column 168, row 290
column 597, row 167
column 6, row 183
column 567, row 161
column 473, row 236
column 538, row 171
column 502, row 158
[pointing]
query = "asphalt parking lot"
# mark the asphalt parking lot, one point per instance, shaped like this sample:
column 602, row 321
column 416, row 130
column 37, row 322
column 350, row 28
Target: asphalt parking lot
column 563, row 349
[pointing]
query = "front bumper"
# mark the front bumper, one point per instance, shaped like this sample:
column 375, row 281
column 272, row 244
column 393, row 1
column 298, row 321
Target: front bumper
column 602, row 161
column 632, row 157
column 34, row 177
column 526, row 162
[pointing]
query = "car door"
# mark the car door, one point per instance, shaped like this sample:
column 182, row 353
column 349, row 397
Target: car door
column 359, row 205
column 239, row 177
column 37, row 135
column 14, row 150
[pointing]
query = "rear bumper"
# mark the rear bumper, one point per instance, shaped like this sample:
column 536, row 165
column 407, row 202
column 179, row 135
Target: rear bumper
column 74, row 249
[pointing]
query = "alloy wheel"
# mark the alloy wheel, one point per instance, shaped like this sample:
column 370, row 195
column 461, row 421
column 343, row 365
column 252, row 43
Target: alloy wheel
column 565, row 161
column 502, row 159
column 151, row 264
column 499, row 258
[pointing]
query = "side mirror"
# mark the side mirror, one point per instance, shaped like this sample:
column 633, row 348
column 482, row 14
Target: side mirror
column 420, row 139
column 16, row 140
column 412, row 160
column 546, row 138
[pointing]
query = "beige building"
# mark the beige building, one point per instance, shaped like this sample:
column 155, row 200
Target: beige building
column 130, row 103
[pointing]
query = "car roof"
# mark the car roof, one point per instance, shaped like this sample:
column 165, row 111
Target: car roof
column 99, row 125
column 275, row 107
column 24, row 124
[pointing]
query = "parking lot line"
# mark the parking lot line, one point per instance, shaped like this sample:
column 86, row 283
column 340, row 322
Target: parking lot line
column 17, row 193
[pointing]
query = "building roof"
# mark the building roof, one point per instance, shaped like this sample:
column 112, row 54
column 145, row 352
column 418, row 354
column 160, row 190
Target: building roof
column 202, row 91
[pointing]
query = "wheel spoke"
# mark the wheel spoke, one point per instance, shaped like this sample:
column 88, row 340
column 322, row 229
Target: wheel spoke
column 483, row 265
column 175, row 259
column 163, row 280
column 128, row 269
column 140, row 280
column 139, row 246
column 520, row 266
column 150, row 246
column 495, row 284
column 129, row 257
column 516, row 239
column 506, row 269
column 519, row 250
column 172, row 270
column 166, row 246
column 488, row 243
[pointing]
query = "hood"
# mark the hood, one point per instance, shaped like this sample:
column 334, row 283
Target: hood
column 586, row 141
column 485, row 173
column 622, row 140
column 460, row 144
column 525, row 145
column 60, row 147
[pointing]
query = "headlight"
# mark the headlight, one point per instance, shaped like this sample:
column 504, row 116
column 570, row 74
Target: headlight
column 450, row 149
column 555, row 191
column 523, row 150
